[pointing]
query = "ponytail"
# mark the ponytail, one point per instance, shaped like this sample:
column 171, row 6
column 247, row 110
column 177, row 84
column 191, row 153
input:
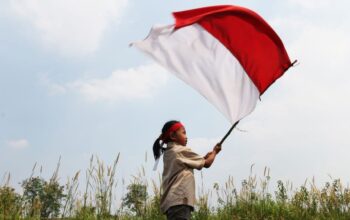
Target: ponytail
column 158, row 148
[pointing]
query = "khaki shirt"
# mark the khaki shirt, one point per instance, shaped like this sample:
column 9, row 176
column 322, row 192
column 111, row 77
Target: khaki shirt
column 178, row 180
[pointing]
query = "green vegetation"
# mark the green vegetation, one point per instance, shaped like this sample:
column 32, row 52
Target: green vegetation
column 97, row 199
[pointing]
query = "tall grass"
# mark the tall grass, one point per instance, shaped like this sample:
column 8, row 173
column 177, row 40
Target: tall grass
column 140, row 199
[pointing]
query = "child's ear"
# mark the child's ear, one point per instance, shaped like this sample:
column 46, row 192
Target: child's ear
column 172, row 136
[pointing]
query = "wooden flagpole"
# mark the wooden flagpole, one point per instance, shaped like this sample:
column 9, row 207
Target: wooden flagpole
column 228, row 133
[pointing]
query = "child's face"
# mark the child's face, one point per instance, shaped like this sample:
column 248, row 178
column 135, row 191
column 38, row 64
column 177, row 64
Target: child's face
column 180, row 136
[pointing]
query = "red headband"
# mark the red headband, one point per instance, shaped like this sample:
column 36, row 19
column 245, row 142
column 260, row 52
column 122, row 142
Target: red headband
column 173, row 128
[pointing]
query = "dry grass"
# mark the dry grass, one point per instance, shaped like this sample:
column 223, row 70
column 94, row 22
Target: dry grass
column 251, row 200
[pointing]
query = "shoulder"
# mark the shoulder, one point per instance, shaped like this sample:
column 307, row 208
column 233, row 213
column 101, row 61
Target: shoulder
column 181, row 151
column 190, row 159
column 188, row 152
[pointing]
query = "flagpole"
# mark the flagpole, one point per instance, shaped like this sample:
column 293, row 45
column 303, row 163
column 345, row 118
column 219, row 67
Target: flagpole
column 228, row 133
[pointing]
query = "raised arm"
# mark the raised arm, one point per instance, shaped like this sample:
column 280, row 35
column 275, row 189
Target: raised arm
column 210, row 156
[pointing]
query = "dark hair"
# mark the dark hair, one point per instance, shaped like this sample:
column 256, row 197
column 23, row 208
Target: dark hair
column 157, row 146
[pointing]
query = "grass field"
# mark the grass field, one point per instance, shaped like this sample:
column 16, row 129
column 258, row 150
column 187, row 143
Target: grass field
column 43, row 199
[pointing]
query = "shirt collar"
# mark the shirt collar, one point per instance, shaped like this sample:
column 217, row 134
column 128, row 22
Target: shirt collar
column 171, row 145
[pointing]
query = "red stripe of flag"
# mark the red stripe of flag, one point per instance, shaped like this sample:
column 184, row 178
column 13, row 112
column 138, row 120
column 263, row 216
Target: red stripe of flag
column 247, row 36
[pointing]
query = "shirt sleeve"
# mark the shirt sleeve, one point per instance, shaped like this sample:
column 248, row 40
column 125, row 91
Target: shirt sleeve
column 191, row 159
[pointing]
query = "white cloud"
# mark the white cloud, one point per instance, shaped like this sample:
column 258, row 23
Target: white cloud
column 70, row 27
column 17, row 143
column 53, row 88
column 134, row 83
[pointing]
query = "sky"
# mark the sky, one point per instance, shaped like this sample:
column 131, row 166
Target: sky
column 71, row 87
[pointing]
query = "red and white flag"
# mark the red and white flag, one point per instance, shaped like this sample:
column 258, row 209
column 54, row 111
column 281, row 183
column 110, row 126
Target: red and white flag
column 229, row 54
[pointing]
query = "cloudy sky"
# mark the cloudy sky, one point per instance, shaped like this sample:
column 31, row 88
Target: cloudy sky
column 71, row 86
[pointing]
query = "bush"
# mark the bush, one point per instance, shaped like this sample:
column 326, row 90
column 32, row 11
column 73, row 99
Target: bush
column 42, row 198
column 135, row 198
column 10, row 203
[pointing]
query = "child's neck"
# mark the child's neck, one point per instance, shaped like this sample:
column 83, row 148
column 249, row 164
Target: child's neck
column 175, row 142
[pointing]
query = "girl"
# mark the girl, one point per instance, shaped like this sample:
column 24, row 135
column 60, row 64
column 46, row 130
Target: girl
column 178, row 183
